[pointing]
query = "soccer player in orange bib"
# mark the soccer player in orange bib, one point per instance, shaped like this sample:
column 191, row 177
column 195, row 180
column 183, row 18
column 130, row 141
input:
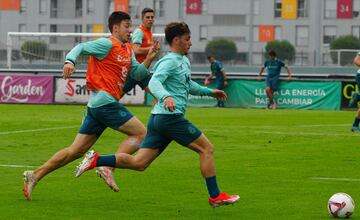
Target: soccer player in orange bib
column 111, row 62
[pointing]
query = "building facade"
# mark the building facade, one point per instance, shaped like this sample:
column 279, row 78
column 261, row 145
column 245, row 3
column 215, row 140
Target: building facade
column 309, row 25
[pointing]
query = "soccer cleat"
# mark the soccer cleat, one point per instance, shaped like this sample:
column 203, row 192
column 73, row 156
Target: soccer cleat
column 355, row 129
column 223, row 199
column 268, row 106
column 88, row 163
column 107, row 175
column 29, row 183
column 273, row 106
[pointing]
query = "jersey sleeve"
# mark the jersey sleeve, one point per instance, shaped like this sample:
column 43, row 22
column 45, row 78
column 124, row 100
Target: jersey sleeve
column 220, row 66
column 161, row 73
column 282, row 64
column 196, row 89
column 137, row 71
column 97, row 48
column 265, row 64
column 137, row 36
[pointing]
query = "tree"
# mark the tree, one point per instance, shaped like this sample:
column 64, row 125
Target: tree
column 223, row 49
column 344, row 42
column 284, row 49
column 34, row 50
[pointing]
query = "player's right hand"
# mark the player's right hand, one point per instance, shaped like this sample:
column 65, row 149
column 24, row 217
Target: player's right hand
column 169, row 104
column 68, row 69
column 154, row 50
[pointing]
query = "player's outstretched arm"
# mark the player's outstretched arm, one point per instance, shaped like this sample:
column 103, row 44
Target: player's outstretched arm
column 260, row 73
column 219, row 94
column 288, row 71
column 68, row 70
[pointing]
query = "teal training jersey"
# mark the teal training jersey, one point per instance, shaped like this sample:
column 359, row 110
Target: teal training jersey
column 100, row 48
column 172, row 77
column 273, row 67
column 216, row 69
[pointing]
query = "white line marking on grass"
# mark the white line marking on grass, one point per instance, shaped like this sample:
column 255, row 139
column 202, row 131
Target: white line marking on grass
column 15, row 166
column 335, row 179
column 308, row 133
column 282, row 126
column 36, row 130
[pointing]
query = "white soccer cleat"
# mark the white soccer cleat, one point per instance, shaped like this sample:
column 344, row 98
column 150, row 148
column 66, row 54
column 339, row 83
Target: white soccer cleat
column 107, row 175
column 29, row 183
column 88, row 163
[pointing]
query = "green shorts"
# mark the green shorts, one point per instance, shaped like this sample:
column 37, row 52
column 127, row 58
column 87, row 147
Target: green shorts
column 162, row 129
column 112, row 115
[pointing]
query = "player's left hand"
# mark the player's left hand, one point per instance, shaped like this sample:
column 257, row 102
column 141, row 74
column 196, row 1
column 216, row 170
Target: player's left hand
column 219, row 94
column 225, row 83
column 289, row 78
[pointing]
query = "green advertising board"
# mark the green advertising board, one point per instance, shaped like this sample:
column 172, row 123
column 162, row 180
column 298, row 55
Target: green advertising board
column 292, row 95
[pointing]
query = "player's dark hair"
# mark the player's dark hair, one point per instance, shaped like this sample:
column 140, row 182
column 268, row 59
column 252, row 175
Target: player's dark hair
column 116, row 18
column 175, row 29
column 146, row 10
column 272, row 53
column 210, row 56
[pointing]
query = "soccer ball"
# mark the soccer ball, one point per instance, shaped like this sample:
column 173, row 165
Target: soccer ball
column 341, row 205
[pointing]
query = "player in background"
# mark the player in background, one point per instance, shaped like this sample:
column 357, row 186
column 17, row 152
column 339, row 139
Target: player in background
column 218, row 71
column 273, row 66
column 355, row 97
column 111, row 61
column 142, row 41
column 171, row 84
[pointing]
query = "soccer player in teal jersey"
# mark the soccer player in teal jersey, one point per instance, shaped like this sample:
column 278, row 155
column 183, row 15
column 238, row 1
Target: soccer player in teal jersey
column 171, row 84
column 356, row 96
column 273, row 66
column 217, row 70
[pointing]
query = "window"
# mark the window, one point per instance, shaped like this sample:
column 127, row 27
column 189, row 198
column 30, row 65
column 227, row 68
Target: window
column 42, row 27
column 355, row 31
column 203, row 32
column 53, row 28
column 23, row 6
column 134, row 8
column 42, row 6
column 356, row 9
column 53, row 9
column 22, row 27
column 302, row 35
column 89, row 28
column 78, row 8
column 277, row 9
column 229, row 20
column 329, row 34
column 78, row 29
column 302, row 10
column 278, row 33
column 160, row 8
column 330, row 9
column 90, row 6
column 204, row 6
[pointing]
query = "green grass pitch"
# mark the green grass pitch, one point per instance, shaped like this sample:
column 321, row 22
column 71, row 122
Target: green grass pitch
column 273, row 159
